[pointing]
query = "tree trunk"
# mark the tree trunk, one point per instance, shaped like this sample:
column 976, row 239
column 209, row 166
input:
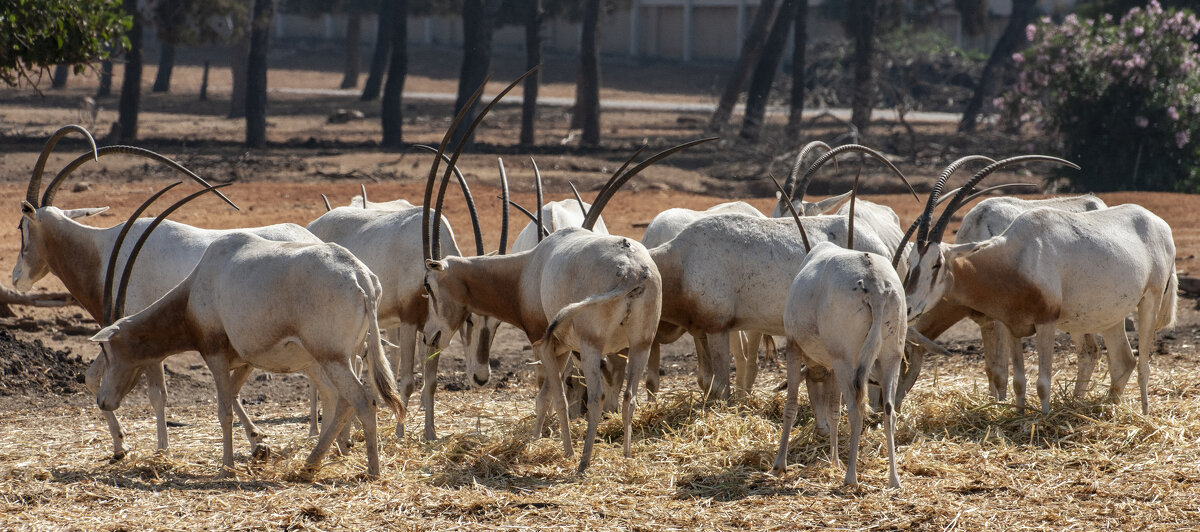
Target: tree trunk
column 1010, row 41
column 799, row 64
column 379, row 58
column 588, row 96
column 479, row 22
column 533, row 56
column 392, row 109
column 239, row 55
column 166, row 63
column 751, row 49
column 764, row 73
column 353, row 50
column 256, row 74
column 866, row 12
column 59, row 80
column 131, row 85
column 105, row 87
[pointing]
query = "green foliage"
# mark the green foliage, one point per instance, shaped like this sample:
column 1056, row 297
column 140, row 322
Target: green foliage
column 182, row 22
column 35, row 34
column 1122, row 99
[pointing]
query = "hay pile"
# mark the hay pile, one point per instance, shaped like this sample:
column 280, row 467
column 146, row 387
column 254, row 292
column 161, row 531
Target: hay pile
column 964, row 461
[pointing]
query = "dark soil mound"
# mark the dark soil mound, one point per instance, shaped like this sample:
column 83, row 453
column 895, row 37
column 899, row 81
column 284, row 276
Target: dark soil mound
column 26, row 367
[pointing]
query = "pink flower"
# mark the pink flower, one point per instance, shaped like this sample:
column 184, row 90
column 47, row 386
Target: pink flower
column 1171, row 112
column 998, row 102
column 1141, row 121
column 1181, row 139
column 1138, row 31
column 1030, row 32
column 1018, row 58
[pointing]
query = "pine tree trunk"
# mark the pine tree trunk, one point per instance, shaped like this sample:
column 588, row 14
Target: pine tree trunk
column 479, row 22
column 239, row 56
column 353, row 50
column 59, row 80
column 392, row 113
column 1010, row 41
column 764, row 74
column 751, row 49
column 256, row 74
column 533, row 56
column 799, row 45
column 588, row 99
column 379, row 58
column 106, row 71
column 131, row 85
column 166, row 63
column 866, row 12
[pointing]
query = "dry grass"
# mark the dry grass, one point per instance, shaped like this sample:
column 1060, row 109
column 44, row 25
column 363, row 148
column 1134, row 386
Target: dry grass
column 965, row 462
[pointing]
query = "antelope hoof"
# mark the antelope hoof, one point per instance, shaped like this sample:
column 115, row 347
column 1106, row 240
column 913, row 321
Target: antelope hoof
column 117, row 457
column 261, row 452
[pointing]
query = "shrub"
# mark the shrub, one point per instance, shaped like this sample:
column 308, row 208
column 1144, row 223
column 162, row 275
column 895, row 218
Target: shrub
column 1122, row 99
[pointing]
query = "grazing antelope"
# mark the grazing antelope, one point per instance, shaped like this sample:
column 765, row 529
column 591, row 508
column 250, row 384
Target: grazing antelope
column 248, row 303
column 1051, row 269
column 54, row 242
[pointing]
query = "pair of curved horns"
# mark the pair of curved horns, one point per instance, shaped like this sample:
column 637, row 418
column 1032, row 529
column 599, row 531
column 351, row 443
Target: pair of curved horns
column 791, row 184
column 114, row 310
column 620, row 177
column 35, row 180
column 787, row 200
column 432, row 240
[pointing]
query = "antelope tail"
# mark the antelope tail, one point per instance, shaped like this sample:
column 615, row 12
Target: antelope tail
column 569, row 312
column 872, row 343
column 379, row 371
column 1167, row 307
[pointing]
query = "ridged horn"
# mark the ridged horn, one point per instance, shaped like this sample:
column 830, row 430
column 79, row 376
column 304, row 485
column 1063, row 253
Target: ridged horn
column 935, row 195
column 792, row 209
column 853, row 201
column 466, row 190
column 436, row 243
column 615, row 183
column 503, row 207
column 106, row 306
column 52, row 188
column 537, row 187
column 326, row 200
column 119, row 304
column 955, row 204
column 35, row 180
column 363, row 187
column 825, row 157
column 578, row 199
column 440, row 151
column 790, row 184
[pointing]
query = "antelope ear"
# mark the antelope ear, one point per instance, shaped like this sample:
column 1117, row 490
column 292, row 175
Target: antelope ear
column 27, row 209
column 106, row 333
column 826, row 205
column 778, row 195
column 75, row 214
column 435, row 265
column 959, row 251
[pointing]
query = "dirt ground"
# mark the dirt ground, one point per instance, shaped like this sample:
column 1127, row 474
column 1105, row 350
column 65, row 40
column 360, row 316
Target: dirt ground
column 486, row 472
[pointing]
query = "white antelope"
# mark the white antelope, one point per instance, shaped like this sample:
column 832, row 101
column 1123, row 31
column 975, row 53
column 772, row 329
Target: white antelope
column 575, row 290
column 248, row 303
column 1051, row 269
column 665, row 226
column 53, row 242
column 388, row 241
column 709, row 288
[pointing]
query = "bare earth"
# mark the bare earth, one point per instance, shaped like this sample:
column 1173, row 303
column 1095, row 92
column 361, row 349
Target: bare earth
column 964, row 461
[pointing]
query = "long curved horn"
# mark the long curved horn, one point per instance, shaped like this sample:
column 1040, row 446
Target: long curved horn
column 527, row 214
column 853, row 201
column 935, row 198
column 825, row 157
column 326, row 200
column 943, row 199
column 994, row 188
column 537, row 187
column 363, row 187
column 955, row 204
column 792, row 208
column 436, row 245
column 790, row 184
column 119, row 305
column 35, row 180
column 578, row 199
column 503, row 208
column 52, row 188
column 106, row 307
column 466, row 191
column 618, row 180
column 426, row 245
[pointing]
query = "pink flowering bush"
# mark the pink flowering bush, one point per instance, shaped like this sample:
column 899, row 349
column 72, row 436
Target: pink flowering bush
column 1122, row 99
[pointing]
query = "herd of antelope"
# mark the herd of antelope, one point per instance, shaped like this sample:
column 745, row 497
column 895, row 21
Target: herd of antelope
column 857, row 303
